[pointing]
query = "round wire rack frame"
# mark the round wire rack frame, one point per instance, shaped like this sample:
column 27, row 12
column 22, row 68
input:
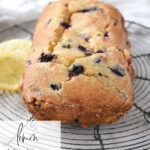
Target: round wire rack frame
column 131, row 132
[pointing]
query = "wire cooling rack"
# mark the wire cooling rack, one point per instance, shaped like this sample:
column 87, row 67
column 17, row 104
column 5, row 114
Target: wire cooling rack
column 131, row 132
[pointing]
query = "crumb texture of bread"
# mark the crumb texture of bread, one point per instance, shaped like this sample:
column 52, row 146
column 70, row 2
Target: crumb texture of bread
column 81, row 66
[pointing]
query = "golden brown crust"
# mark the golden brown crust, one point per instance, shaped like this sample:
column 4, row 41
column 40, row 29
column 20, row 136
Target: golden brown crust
column 90, row 37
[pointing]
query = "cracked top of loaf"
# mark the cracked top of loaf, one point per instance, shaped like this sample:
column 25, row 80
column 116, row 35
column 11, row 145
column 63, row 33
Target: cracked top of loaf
column 80, row 66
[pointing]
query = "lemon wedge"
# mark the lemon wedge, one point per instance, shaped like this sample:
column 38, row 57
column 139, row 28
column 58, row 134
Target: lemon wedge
column 19, row 47
column 13, row 54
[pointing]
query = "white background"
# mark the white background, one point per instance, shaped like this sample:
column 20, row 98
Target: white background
column 18, row 11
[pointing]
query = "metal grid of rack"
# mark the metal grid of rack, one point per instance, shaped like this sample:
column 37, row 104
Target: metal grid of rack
column 131, row 132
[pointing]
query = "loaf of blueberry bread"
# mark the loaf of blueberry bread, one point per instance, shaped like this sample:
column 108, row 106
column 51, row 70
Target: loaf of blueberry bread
column 80, row 67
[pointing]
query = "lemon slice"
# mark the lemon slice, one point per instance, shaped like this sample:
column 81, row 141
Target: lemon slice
column 19, row 47
column 11, row 70
column 13, row 54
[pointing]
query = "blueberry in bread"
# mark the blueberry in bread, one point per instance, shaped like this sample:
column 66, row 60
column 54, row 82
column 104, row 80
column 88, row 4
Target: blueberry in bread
column 79, row 68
